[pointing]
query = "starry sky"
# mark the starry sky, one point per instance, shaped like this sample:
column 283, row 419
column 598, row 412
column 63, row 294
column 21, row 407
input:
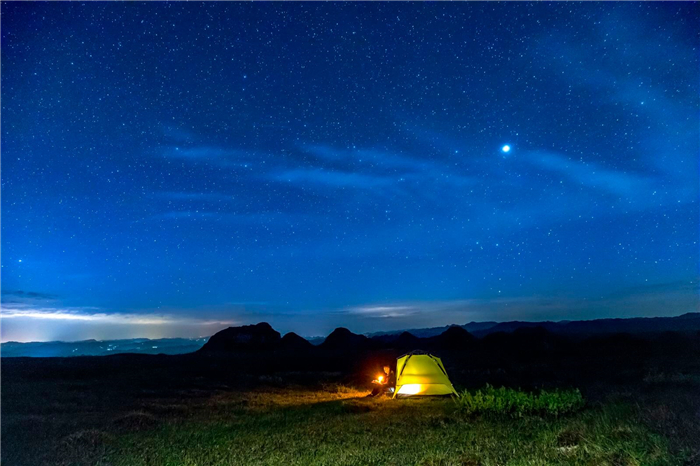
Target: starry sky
column 170, row 169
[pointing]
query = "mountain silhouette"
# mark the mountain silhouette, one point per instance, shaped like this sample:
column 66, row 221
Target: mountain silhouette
column 407, row 341
column 293, row 341
column 490, row 336
column 343, row 339
column 453, row 338
column 689, row 322
column 248, row 337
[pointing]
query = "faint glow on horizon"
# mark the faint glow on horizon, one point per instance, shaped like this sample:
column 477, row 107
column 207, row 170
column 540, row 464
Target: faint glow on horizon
column 24, row 323
column 101, row 317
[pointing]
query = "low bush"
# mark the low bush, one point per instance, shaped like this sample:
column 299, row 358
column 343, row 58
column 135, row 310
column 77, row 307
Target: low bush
column 518, row 403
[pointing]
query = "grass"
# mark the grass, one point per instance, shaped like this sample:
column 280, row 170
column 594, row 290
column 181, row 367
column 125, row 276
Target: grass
column 338, row 426
column 518, row 403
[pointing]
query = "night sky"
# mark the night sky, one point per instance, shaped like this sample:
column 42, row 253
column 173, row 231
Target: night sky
column 169, row 169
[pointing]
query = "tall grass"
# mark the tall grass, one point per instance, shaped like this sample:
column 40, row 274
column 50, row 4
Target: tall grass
column 322, row 429
column 517, row 403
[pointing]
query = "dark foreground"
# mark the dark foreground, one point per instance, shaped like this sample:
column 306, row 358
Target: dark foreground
column 308, row 407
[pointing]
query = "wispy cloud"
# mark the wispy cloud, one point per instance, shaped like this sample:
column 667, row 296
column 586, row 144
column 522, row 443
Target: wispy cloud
column 212, row 155
column 368, row 168
column 665, row 109
column 590, row 174
column 28, row 322
column 27, row 315
column 383, row 312
column 191, row 214
column 21, row 296
column 318, row 176
column 195, row 196
column 243, row 218
column 195, row 153
column 177, row 134
column 369, row 158
column 88, row 314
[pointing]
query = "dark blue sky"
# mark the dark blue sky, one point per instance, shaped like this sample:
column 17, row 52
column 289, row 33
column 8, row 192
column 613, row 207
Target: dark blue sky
column 169, row 169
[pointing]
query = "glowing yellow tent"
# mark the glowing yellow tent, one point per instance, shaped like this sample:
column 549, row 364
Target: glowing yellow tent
column 419, row 373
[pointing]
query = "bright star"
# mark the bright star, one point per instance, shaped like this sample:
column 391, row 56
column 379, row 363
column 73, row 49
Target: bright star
column 505, row 148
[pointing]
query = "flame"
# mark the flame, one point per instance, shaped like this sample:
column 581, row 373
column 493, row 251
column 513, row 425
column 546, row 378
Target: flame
column 380, row 378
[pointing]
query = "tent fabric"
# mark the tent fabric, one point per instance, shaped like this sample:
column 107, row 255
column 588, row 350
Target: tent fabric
column 421, row 374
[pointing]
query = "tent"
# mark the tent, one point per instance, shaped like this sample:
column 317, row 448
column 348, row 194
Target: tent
column 420, row 373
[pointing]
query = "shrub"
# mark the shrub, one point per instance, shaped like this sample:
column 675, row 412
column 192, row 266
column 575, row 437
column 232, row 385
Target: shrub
column 518, row 403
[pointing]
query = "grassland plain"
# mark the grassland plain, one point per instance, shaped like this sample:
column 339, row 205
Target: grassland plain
column 642, row 407
column 342, row 427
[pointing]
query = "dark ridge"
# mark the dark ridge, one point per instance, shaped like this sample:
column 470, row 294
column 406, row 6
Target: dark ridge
column 454, row 337
column 687, row 323
column 249, row 337
column 343, row 339
column 293, row 341
column 384, row 340
column 407, row 340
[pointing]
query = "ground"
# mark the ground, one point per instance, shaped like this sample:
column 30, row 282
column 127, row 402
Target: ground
column 247, row 410
column 302, row 427
column 338, row 425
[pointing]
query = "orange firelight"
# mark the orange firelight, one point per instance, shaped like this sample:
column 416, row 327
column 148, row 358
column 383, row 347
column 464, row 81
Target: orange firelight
column 380, row 378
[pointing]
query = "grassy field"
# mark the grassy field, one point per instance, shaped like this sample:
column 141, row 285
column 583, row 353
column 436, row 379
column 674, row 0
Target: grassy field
column 339, row 426
column 187, row 410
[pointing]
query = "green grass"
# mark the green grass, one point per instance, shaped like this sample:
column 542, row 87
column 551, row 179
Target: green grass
column 338, row 427
column 517, row 403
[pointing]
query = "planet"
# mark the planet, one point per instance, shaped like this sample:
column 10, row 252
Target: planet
column 505, row 148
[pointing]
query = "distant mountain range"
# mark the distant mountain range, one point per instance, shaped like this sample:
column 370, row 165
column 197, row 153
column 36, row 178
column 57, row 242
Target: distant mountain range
column 689, row 322
column 528, row 336
column 263, row 336
column 101, row 347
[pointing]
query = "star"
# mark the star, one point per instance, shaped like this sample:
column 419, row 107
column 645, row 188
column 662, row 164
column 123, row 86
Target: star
column 505, row 149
